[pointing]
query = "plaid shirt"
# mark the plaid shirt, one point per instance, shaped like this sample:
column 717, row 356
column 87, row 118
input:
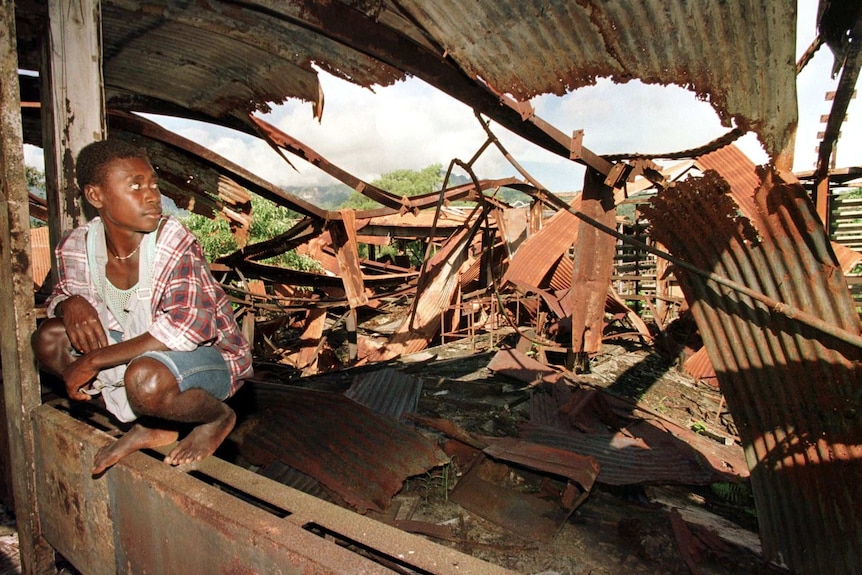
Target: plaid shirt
column 189, row 307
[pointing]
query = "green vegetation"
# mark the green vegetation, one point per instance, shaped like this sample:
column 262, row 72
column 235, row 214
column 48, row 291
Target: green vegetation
column 36, row 186
column 698, row 427
column 401, row 183
column 268, row 221
column 35, row 180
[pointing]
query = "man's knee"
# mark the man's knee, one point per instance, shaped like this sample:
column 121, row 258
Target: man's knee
column 48, row 338
column 149, row 383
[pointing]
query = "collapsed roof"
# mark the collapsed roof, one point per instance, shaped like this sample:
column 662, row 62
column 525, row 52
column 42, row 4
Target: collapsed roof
column 221, row 61
column 226, row 62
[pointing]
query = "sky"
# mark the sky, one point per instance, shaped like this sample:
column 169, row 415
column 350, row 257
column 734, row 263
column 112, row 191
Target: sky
column 411, row 125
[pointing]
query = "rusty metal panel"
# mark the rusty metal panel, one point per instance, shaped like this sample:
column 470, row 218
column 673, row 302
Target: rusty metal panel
column 343, row 234
column 387, row 392
column 699, row 367
column 538, row 254
column 74, row 509
column 645, row 448
column 306, row 430
column 491, row 490
column 793, row 390
column 630, row 460
column 437, row 284
column 739, row 171
column 593, row 265
column 740, row 53
column 486, row 489
column 520, row 366
column 260, row 57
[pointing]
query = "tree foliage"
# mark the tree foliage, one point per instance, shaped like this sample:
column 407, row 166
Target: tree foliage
column 35, row 180
column 268, row 221
column 401, row 183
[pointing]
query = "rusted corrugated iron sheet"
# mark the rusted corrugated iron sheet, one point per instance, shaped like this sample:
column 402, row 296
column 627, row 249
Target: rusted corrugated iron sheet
column 793, row 391
column 310, row 340
column 741, row 173
column 739, row 57
column 261, row 57
column 493, row 491
column 343, row 234
column 699, row 367
column 307, row 430
column 538, row 254
column 628, row 460
column 517, row 365
column 741, row 54
column 40, row 250
column 645, row 449
column 387, row 392
column 286, row 475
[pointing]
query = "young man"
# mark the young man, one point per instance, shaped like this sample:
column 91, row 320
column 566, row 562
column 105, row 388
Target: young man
column 137, row 316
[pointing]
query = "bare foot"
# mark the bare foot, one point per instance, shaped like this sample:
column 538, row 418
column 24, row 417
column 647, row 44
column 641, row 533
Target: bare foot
column 202, row 441
column 138, row 437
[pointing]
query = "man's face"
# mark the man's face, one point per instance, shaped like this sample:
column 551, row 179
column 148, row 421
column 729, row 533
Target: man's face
column 128, row 196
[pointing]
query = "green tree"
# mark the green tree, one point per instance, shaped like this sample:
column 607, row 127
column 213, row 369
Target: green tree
column 36, row 186
column 268, row 221
column 35, row 180
column 401, row 183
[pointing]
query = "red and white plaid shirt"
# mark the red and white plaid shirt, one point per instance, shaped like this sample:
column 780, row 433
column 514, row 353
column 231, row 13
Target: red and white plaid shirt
column 189, row 307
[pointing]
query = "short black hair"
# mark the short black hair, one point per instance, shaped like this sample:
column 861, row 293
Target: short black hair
column 93, row 157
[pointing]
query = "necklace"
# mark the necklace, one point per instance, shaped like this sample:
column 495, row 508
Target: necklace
column 134, row 251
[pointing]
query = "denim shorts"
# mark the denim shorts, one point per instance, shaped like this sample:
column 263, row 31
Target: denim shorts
column 203, row 368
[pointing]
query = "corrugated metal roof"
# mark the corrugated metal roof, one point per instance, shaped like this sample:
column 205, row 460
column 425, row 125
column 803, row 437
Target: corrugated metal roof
column 793, row 391
column 738, row 55
column 222, row 60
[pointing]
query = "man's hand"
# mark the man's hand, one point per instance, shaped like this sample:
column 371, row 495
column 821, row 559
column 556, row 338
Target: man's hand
column 82, row 324
column 77, row 377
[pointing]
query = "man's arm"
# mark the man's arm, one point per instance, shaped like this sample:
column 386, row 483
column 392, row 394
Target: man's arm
column 78, row 375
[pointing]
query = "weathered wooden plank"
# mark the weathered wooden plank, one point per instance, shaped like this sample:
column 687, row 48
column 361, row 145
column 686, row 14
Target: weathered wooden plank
column 73, row 105
column 17, row 317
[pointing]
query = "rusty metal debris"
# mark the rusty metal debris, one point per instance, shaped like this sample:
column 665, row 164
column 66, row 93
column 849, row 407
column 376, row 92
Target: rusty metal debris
column 359, row 455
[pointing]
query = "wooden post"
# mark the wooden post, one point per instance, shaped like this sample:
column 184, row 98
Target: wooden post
column 73, row 105
column 21, row 389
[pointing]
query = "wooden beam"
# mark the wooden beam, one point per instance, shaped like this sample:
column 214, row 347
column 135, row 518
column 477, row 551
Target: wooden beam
column 21, row 391
column 73, row 105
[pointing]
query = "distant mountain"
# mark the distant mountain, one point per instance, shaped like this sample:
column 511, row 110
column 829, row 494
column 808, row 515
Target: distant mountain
column 326, row 197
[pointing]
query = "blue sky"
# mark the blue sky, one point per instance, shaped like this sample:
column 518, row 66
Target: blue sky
column 411, row 125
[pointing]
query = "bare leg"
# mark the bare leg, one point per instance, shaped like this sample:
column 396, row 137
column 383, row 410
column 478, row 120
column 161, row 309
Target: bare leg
column 52, row 347
column 153, row 391
column 204, row 439
column 137, row 438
